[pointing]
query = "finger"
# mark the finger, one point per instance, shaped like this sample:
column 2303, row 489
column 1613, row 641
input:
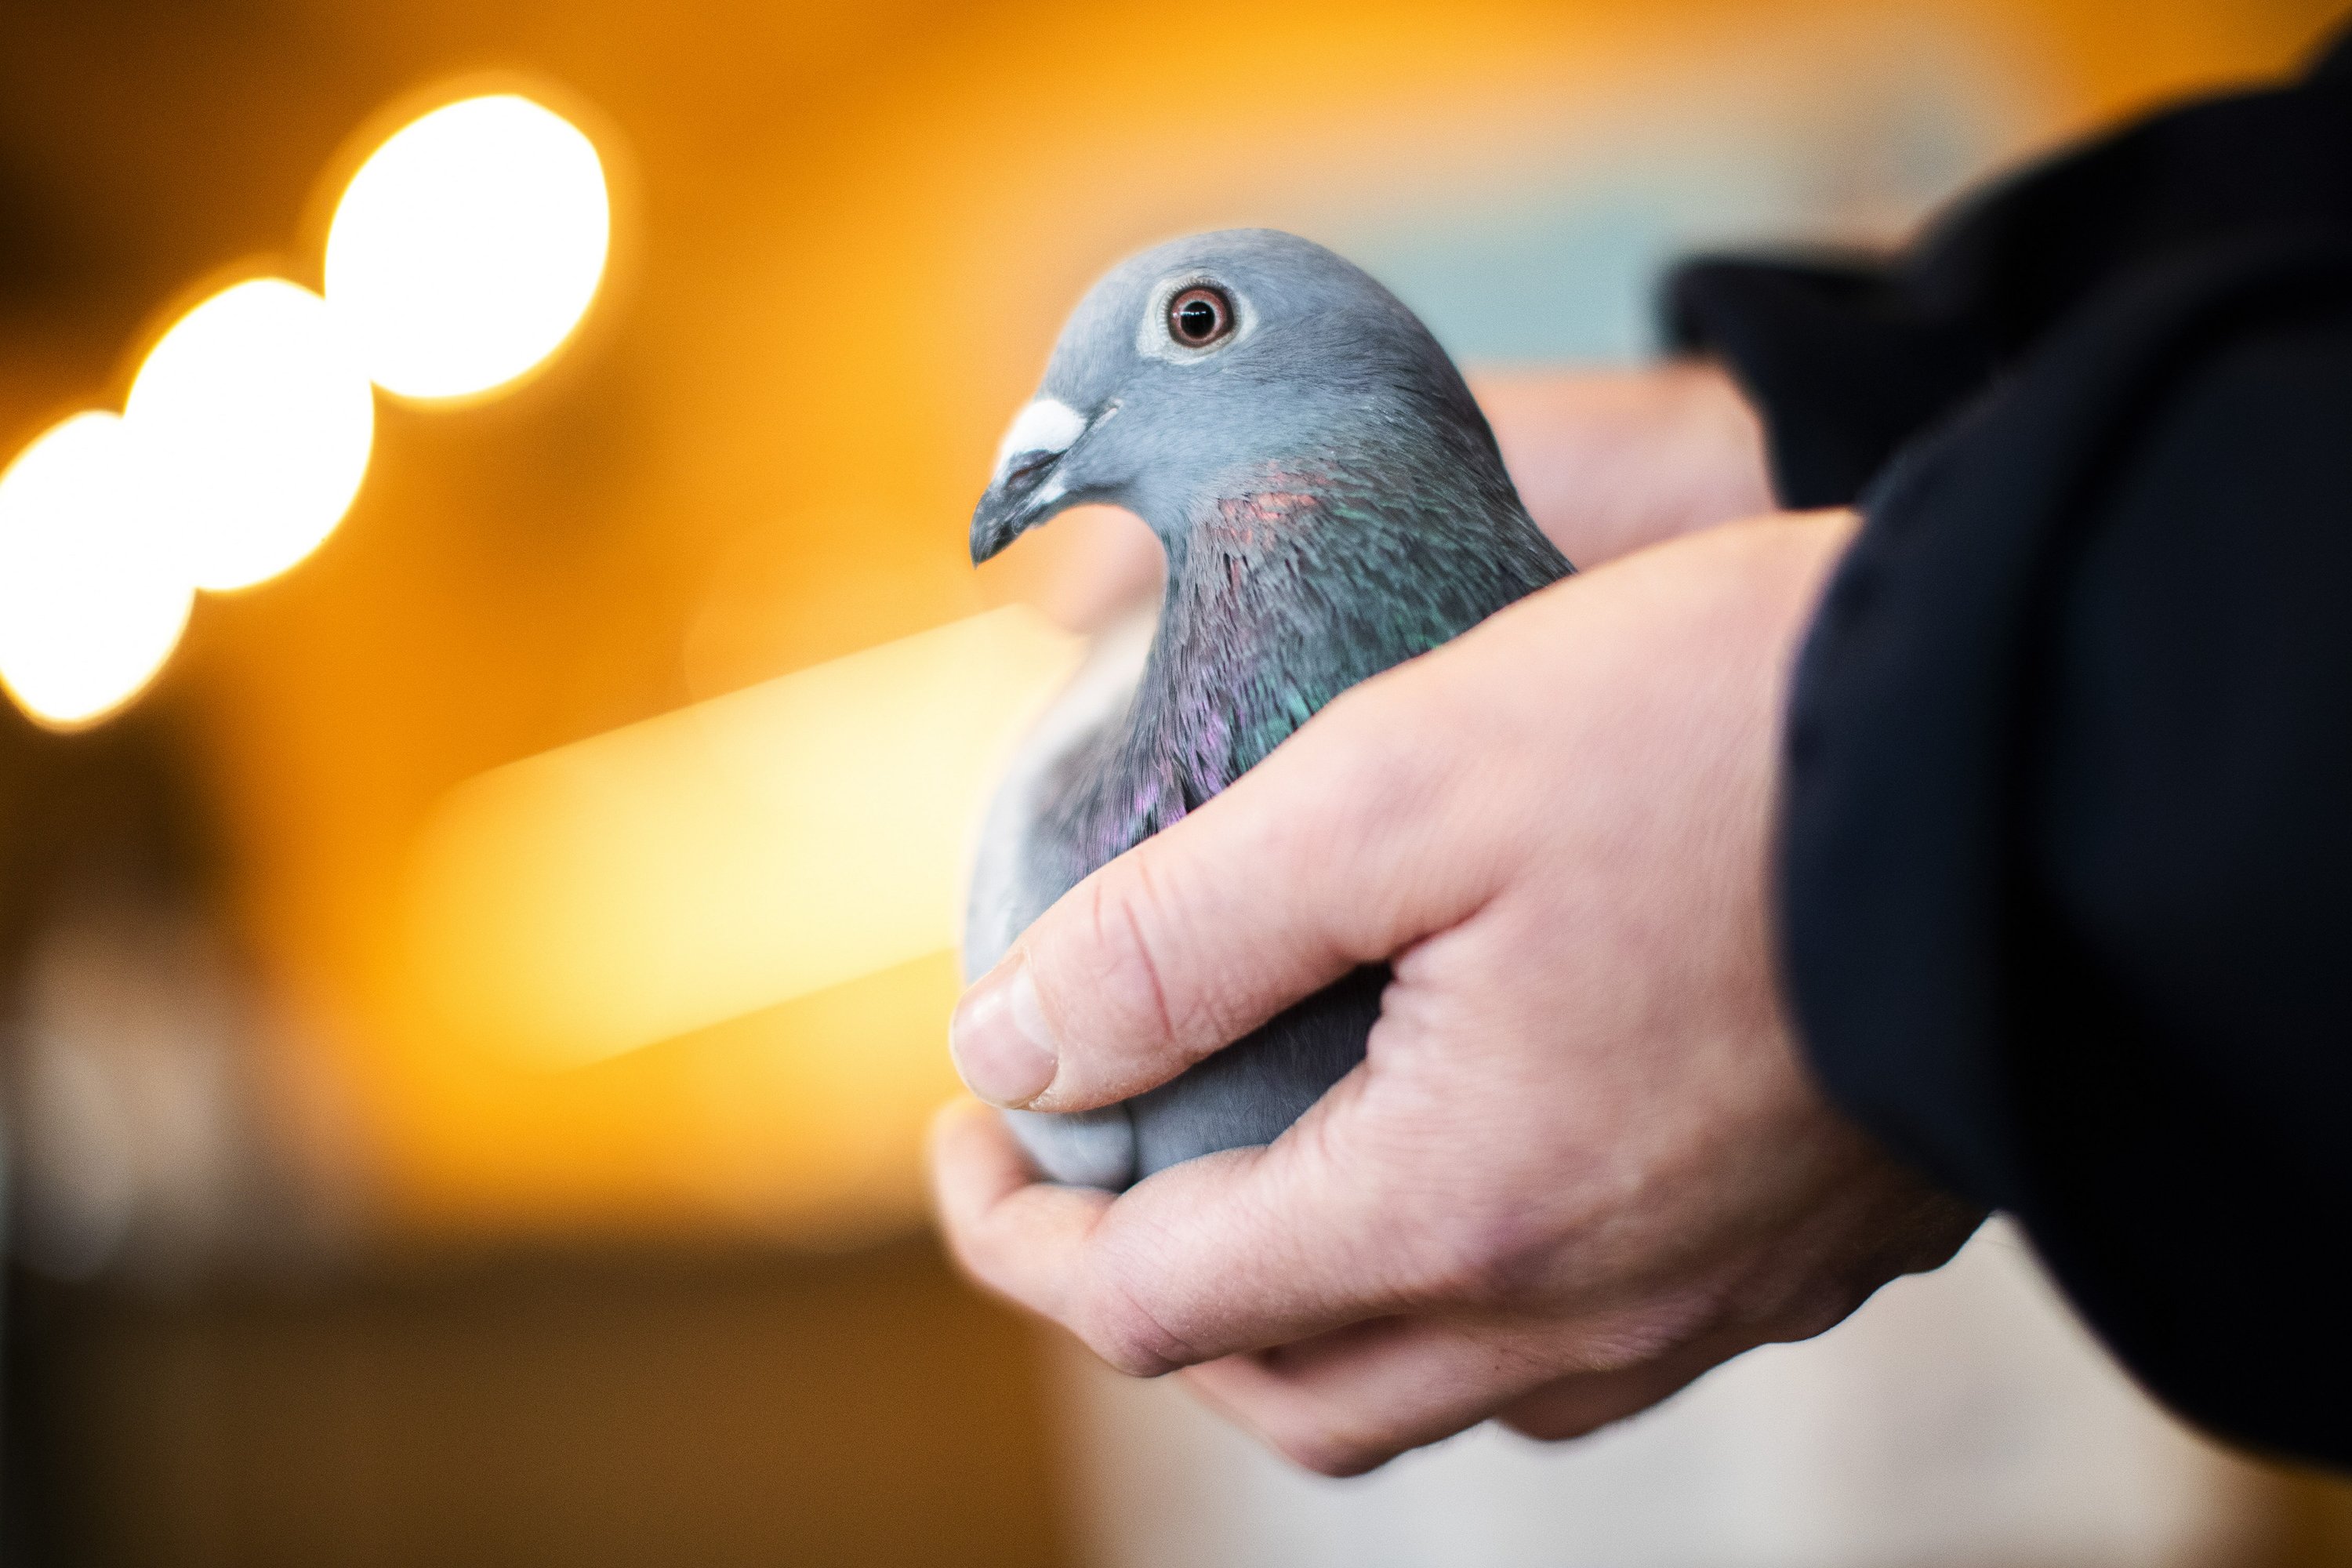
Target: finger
column 1301, row 872
column 1234, row 1251
column 1579, row 1404
column 1014, row 1233
column 1347, row 1401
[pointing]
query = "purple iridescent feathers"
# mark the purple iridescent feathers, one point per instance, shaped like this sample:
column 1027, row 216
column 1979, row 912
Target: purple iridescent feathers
column 1331, row 503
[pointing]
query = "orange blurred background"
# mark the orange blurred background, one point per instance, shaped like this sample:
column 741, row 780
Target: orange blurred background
column 847, row 235
column 844, row 235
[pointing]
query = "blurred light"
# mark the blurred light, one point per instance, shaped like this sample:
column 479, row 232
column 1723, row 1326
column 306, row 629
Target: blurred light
column 92, row 602
column 468, row 247
column 730, row 856
column 254, row 423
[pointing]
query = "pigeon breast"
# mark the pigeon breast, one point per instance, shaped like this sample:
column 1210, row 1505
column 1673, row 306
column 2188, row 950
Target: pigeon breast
column 1370, row 522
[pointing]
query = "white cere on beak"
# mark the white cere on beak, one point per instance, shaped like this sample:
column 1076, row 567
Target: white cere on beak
column 1048, row 425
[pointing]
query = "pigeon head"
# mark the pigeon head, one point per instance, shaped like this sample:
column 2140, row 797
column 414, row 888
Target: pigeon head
column 1193, row 369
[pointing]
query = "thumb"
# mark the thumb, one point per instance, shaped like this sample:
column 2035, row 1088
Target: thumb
column 1179, row 947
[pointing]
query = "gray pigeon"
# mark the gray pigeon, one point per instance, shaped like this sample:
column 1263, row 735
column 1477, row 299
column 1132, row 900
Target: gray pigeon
column 1331, row 503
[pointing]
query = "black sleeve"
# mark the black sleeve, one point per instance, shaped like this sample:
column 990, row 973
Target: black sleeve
column 2066, row 870
column 2066, row 849
column 1850, row 357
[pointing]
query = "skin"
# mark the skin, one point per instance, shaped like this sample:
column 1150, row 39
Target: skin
column 1582, row 1161
column 1610, row 461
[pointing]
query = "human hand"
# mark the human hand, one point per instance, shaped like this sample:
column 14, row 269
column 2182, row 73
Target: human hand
column 1610, row 461
column 1582, row 1163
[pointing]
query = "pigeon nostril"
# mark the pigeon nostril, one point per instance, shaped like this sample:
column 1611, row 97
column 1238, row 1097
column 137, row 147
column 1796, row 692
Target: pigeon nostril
column 1199, row 317
column 1030, row 466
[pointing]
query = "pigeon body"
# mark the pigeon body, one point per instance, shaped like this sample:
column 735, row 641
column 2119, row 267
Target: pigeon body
column 1331, row 503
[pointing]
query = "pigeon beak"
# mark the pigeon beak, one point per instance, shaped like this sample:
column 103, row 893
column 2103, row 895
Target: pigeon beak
column 1027, row 482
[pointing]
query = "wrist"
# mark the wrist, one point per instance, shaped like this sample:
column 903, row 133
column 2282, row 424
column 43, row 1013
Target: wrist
column 1610, row 461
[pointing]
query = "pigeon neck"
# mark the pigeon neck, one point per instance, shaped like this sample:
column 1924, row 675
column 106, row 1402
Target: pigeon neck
column 1297, row 579
column 1285, row 588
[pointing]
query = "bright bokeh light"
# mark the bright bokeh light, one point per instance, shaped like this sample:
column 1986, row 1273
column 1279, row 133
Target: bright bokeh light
column 729, row 856
column 92, row 602
column 468, row 247
column 254, row 423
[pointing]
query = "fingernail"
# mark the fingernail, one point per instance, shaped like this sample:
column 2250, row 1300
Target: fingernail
column 1000, row 1041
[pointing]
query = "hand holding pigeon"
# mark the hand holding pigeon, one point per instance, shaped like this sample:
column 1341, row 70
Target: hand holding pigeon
column 1331, row 503
column 1581, row 1163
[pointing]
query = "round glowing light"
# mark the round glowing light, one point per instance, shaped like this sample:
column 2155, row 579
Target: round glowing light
column 468, row 245
column 92, row 602
column 253, row 423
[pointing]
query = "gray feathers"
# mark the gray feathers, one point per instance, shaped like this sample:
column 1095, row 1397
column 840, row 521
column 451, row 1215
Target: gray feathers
column 1331, row 503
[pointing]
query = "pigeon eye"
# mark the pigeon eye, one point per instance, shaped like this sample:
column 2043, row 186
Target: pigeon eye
column 1199, row 317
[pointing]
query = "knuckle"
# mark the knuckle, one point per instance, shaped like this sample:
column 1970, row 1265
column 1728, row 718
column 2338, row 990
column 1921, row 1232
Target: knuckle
column 1118, row 1327
column 1501, row 1255
column 1813, row 1311
column 1560, row 1425
column 1334, row 1449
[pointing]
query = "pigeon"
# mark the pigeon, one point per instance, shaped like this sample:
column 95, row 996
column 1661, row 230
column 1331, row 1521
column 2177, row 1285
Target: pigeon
column 1331, row 502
